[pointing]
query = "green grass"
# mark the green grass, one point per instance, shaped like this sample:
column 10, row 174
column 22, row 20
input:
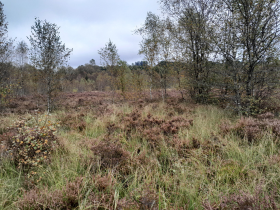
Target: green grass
column 160, row 175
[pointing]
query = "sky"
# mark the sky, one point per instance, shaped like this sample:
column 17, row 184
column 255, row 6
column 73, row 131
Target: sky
column 85, row 25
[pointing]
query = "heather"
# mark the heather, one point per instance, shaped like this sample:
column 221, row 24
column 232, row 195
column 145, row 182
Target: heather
column 194, row 125
column 139, row 154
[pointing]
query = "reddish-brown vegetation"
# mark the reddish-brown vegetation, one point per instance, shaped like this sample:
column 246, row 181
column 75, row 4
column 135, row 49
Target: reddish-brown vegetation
column 259, row 200
column 111, row 154
column 69, row 197
column 85, row 100
column 73, row 122
column 152, row 129
column 253, row 128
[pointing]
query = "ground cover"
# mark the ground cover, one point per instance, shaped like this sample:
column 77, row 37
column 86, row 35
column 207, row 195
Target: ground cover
column 143, row 154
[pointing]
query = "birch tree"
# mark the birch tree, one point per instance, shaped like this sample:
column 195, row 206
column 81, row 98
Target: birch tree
column 6, row 55
column 109, row 58
column 22, row 59
column 48, row 54
column 150, row 44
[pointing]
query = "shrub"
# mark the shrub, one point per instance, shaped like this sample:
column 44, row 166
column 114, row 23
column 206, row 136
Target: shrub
column 73, row 121
column 104, row 183
column 67, row 198
column 31, row 141
column 73, row 194
column 152, row 129
column 111, row 154
column 253, row 128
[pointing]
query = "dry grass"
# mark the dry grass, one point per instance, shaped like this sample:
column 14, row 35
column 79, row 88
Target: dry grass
column 150, row 155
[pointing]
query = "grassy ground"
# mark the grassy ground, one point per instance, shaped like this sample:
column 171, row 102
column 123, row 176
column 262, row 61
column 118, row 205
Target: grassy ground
column 148, row 156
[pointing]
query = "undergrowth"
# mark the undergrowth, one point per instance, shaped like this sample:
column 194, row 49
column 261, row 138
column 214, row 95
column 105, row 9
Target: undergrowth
column 153, row 155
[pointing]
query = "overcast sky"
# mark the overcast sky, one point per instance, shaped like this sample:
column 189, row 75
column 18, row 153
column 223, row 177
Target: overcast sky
column 85, row 25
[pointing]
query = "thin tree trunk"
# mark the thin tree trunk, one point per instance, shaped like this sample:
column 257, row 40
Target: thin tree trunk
column 49, row 94
column 151, row 88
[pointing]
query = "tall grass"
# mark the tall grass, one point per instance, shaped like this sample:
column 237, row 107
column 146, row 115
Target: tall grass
column 197, row 165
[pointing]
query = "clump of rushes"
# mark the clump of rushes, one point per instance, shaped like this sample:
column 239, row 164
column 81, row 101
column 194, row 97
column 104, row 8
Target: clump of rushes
column 32, row 141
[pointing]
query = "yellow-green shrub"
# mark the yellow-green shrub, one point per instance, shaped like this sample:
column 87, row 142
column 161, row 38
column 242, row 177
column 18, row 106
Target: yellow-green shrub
column 32, row 141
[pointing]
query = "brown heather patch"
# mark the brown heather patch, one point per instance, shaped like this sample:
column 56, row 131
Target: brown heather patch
column 214, row 144
column 182, row 146
column 259, row 200
column 73, row 194
column 140, row 103
column 126, row 204
column 73, row 122
column 177, row 106
column 104, row 183
column 5, row 138
column 66, row 101
column 111, row 155
column 67, row 198
column 186, row 147
column 267, row 115
column 148, row 199
column 274, row 160
column 153, row 129
column 253, row 128
column 72, row 101
column 141, row 159
column 88, row 100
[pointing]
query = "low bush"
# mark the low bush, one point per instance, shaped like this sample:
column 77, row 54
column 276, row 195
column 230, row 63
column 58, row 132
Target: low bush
column 253, row 128
column 111, row 154
column 74, row 195
column 30, row 141
column 73, row 122
column 67, row 198
column 150, row 128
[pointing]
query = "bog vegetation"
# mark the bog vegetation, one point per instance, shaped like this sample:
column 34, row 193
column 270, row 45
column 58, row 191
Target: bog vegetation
column 194, row 126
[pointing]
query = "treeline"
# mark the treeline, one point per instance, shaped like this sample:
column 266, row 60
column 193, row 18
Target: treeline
column 25, row 80
column 221, row 51
column 215, row 51
column 229, row 48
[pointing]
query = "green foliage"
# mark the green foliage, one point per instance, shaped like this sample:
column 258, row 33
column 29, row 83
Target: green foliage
column 109, row 55
column 32, row 141
column 5, row 94
column 48, row 54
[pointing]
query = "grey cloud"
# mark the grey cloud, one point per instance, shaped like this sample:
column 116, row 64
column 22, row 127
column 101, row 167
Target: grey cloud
column 85, row 25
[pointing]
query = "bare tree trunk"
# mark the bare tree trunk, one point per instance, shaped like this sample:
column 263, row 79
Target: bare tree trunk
column 49, row 95
column 151, row 85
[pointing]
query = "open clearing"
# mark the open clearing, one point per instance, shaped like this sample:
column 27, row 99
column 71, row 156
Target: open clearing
column 142, row 154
